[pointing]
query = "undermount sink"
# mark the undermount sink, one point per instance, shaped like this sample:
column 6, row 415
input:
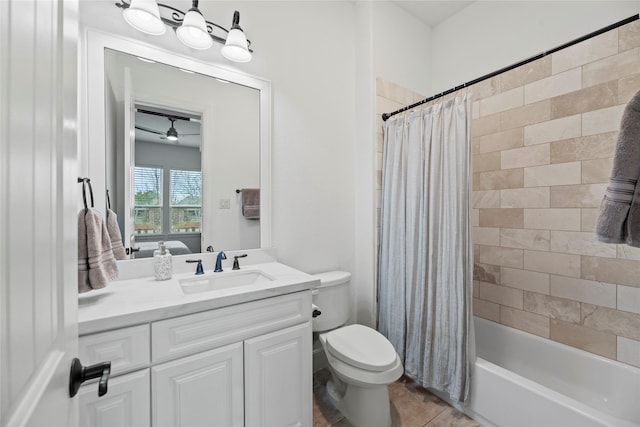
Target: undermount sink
column 218, row 281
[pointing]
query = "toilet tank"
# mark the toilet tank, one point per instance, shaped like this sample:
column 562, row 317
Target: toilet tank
column 333, row 300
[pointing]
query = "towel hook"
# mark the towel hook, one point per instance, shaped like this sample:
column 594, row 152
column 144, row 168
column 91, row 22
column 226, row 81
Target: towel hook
column 86, row 182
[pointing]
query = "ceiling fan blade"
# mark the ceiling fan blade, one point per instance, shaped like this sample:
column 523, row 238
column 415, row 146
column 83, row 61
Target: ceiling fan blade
column 149, row 130
column 188, row 134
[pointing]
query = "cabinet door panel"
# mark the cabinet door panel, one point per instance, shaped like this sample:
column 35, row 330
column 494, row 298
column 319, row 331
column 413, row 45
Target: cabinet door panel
column 201, row 390
column 126, row 403
column 278, row 378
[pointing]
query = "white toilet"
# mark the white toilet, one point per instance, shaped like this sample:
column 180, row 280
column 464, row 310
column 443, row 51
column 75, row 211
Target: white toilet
column 361, row 360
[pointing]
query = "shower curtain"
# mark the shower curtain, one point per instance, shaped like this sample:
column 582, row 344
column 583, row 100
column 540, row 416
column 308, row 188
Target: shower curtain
column 425, row 258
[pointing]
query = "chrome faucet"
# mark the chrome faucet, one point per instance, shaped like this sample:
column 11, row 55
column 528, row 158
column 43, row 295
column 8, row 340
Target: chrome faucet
column 219, row 258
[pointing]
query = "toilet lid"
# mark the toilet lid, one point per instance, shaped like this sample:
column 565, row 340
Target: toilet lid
column 362, row 347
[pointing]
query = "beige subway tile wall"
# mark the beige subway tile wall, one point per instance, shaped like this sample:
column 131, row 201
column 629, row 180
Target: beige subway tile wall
column 543, row 139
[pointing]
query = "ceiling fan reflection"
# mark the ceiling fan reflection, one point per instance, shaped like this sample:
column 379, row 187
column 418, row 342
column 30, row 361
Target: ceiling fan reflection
column 172, row 133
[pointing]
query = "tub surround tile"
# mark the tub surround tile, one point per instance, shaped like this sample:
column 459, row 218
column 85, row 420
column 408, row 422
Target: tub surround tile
column 486, row 162
column 627, row 87
column 581, row 101
column 629, row 36
column 553, row 130
column 524, row 279
column 486, row 273
column 486, row 88
column 552, row 307
column 554, row 174
column 502, row 101
column 580, row 243
column 601, row 343
column 475, row 217
column 555, row 85
column 577, row 196
column 610, row 270
column 504, row 140
column 602, row 121
column 495, row 255
column 629, row 351
column 596, row 171
column 628, row 299
column 501, row 295
column 582, row 290
column 627, row 252
column 538, row 197
column 526, row 115
column 589, row 216
column 485, row 199
column 498, row 180
column 508, row 218
column 586, row 51
column 486, row 309
column 527, row 156
column 527, row 73
column 486, row 236
column 485, row 125
column 611, row 68
column 476, row 289
column 525, row 321
column 598, row 146
column 524, row 239
column 615, row 322
column 551, row 262
column 552, row 219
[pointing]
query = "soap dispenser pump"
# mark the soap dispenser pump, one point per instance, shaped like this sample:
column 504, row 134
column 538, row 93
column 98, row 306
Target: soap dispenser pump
column 162, row 264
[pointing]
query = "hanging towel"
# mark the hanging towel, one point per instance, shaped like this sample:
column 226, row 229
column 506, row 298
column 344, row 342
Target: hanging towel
column 96, row 263
column 251, row 203
column 619, row 216
column 115, row 235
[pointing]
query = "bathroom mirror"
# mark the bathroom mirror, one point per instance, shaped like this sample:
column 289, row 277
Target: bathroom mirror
column 187, row 191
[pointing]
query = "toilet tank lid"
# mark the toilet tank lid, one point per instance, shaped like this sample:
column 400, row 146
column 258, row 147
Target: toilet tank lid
column 331, row 278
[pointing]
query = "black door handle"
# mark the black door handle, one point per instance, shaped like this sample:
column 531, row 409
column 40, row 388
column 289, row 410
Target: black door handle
column 80, row 374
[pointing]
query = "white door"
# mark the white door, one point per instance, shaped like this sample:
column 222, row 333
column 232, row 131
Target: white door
column 278, row 384
column 201, row 390
column 38, row 211
column 129, row 162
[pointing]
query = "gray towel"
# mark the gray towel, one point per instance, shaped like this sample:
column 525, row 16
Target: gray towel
column 619, row 216
column 114, row 234
column 251, row 203
column 96, row 264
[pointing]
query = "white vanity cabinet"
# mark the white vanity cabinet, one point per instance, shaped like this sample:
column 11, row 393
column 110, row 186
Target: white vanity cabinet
column 245, row 364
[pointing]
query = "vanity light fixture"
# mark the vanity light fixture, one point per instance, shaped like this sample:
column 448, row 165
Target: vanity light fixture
column 190, row 27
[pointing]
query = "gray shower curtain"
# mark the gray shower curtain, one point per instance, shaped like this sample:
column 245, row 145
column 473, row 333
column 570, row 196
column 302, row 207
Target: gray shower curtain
column 425, row 258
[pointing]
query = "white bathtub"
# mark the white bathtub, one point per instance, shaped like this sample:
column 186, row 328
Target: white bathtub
column 523, row 380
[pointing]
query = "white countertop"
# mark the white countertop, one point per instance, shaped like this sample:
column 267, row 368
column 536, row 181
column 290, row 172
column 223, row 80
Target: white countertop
column 140, row 300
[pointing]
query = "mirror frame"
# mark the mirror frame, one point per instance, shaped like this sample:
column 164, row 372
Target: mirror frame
column 92, row 145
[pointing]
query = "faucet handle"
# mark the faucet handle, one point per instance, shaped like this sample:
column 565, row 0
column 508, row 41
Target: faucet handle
column 199, row 269
column 236, row 264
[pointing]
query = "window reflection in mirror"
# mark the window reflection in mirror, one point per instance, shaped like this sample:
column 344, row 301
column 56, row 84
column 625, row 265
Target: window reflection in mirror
column 178, row 146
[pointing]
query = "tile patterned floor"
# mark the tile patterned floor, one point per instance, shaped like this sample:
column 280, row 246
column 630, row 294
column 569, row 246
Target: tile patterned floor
column 411, row 406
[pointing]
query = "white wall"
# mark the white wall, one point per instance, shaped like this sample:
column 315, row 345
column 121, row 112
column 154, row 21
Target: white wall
column 489, row 35
column 401, row 47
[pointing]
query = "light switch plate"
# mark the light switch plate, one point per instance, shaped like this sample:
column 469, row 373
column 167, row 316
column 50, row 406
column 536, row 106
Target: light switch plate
column 225, row 204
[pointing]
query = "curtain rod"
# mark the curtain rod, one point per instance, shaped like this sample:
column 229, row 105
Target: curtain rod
column 386, row 116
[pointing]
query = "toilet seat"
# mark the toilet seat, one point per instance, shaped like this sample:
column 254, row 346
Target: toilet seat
column 361, row 347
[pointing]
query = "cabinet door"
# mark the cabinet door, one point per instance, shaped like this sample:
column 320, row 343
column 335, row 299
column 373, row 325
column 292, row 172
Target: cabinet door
column 126, row 403
column 278, row 387
column 205, row 389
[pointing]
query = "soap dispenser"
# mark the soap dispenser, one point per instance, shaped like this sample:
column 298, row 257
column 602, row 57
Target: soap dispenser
column 162, row 265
